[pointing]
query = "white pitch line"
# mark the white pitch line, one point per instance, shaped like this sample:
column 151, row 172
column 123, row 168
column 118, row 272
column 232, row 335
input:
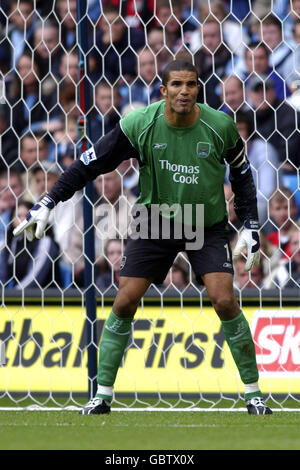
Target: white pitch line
column 136, row 425
column 186, row 410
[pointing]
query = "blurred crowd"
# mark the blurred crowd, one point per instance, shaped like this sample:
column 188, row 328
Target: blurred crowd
column 248, row 58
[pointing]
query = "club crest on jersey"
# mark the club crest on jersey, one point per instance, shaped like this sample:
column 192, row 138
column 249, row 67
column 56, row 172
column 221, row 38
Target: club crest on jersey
column 203, row 149
column 88, row 156
column 158, row 146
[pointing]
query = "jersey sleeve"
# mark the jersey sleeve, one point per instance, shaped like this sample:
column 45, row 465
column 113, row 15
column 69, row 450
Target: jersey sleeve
column 241, row 178
column 103, row 157
column 130, row 125
column 234, row 148
column 134, row 125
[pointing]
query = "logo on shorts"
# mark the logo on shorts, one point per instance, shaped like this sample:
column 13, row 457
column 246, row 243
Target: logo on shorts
column 158, row 146
column 123, row 262
column 227, row 265
column 203, row 149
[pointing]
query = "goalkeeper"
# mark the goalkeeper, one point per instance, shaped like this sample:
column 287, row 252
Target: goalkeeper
column 182, row 147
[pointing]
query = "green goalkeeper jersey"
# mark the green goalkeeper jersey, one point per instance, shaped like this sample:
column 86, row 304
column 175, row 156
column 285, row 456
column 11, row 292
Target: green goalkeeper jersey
column 183, row 165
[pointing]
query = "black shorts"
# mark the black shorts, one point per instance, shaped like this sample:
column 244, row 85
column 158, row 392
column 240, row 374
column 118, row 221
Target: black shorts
column 152, row 259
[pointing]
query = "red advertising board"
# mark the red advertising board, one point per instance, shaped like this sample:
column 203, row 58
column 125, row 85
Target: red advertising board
column 277, row 341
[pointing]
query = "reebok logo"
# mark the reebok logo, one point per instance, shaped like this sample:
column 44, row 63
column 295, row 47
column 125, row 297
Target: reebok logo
column 239, row 332
column 245, row 169
column 123, row 261
column 227, row 265
column 158, row 146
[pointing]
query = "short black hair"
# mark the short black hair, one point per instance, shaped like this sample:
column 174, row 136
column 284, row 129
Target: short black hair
column 176, row 66
column 25, row 203
column 272, row 19
column 295, row 23
column 246, row 118
column 255, row 45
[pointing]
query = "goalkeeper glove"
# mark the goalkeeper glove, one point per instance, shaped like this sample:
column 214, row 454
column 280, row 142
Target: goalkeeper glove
column 249, row 239
column 38, row 215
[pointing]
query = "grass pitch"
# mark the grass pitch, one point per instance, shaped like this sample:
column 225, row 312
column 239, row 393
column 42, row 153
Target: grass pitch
column 149, row 430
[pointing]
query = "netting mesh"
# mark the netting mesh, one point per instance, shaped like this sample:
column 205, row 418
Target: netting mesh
column 247, row 56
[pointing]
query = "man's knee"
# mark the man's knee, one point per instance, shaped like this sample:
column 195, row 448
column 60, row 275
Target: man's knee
column 130, row 292
column 226, row 306
column 126, row 303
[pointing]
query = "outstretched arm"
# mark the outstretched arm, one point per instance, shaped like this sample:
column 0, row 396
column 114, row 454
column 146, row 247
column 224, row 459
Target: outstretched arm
column 241, row 179
column 245, row 204
column 103, row 157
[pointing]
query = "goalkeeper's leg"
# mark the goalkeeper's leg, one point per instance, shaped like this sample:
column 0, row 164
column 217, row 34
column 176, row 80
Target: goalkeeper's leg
column 237, row 333
column 114, row 341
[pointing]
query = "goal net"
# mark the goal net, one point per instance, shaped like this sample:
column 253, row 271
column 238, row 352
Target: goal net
column 247, row 56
